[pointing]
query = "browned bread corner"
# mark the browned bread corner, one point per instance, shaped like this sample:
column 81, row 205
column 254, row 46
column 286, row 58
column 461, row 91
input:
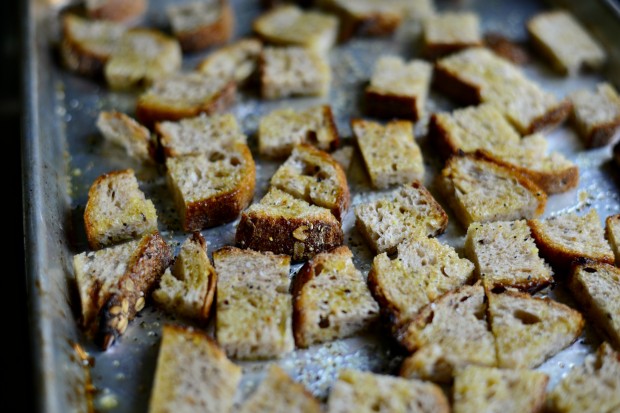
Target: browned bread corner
column 200, row 24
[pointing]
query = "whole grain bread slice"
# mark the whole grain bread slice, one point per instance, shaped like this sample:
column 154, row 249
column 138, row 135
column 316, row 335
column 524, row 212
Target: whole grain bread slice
column 200, row 24
column 236, row 61
column 122, row 130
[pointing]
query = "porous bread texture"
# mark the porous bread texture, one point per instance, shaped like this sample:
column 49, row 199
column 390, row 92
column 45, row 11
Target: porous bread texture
column 506, row 255
column 369, row 392
column 449, row 32
column 293, row 71
column 142, row 57
column 365, row 17
column 117, row 210
column 200, row 24
column 405, row 213
column 564, row 42
column 593, row 387
column 482, row 191
column 423, row 270
column 188, row 287
column 288, row 25
column 278, row 393
column 596, row 287
column 390, row 152
column 612, row 233
column 254, row 308
column 596, row 114
column 331, row 299
column 448, row 334
column 212, row 187
column 193, row 374
column 200, row 134
column 122, row 130
column 314, row 176
column 398, row 88
column 282, row 129
column 528, row 330
column 116, row 10
column 492, row 390
column 236, row 61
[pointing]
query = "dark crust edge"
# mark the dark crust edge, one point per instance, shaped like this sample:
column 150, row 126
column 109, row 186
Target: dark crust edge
column 388, row 106
column 219, row 32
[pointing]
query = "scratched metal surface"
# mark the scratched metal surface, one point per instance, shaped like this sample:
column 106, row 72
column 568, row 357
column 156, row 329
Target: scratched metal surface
column 63, row 154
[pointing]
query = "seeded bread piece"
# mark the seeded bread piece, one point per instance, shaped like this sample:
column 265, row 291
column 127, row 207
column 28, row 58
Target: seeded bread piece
column 505, row 255
column 482, row 191
column 236, row 61
column 142, row 57
column 125, row 131
column 596, row 114
column 596, row 287
column 283, row 224
column 278, row 393
column 87, row 45
column 477, row 75
column 450, row 32
column 116, row 10
column 367, row 392
column 200, row 134
column 593, row 387
column 407, row 212
column 612, row 233
column 314, row 176
column 528, row 330
column 565, row 238
column 491, row 390
column 184, row 95
column 390, row 152
column 288, row 25
column 293, row 71
column 331, row 299
column 117, row 210
column 113, row 283
column 213, row 187
column 423, row 270
column 200, row 24
column 188, row 287
column 193, row 374
column 564, row 42
column 398, row 88
column 365, row 17
column 254, row 308
column 447, row 335
column 281, row 130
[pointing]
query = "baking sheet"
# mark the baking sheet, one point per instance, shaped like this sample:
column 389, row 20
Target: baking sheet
column 63, row 154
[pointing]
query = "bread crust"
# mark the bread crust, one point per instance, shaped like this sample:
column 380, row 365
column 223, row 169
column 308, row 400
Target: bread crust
column 119, row 10
column 388, row 106
column 219, row 32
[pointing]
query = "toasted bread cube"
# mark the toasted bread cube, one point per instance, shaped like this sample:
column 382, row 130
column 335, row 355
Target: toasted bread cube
column 407, row 212
column 612, row 233
column 117, row 210
column 487, row 389
column 447, row 335
column 283, row 224
column 184, row 95
column 200, row 24
column 596, row 287
column 365, row 17
column 200, row 134
column 213, row 187
column 482, row 191
column 528, row 330
column 87, row 45
column 288, row 25
column 254, row 308
column 192, row 374
column 390, row 152
column 331, row 299
column 590, row 388
column 510, row 49
column 565, row 238
column 314, row 176
column 113, row 283
column 597, row 114
column 236, row 61
column 281, row 130
column 125, row 131
column 293, row 71
column 450, row 32
column 142, row 57
column 367, row 392
column 564, row 42
column 505, row 255
column 116, row 10
column 188, row 287
column 398, row 88
column 423, row 270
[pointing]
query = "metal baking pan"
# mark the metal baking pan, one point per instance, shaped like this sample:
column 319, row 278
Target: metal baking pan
column 63, row 154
